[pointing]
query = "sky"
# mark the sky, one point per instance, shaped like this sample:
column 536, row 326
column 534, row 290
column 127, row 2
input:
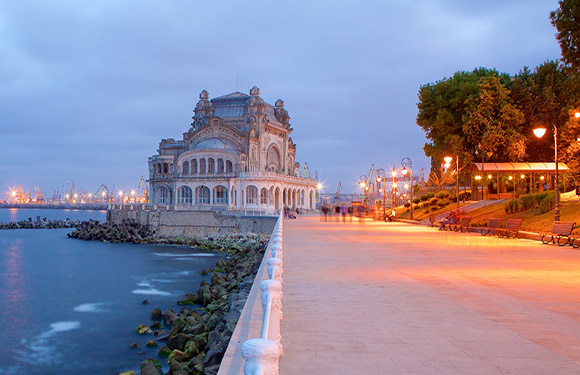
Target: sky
column 89, row 88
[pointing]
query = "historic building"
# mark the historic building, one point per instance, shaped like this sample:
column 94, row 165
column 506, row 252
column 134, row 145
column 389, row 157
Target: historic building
column 237, row 155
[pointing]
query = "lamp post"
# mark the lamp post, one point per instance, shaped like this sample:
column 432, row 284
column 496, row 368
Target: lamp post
column 407, row 165
column 448, row 160
column 381, row 177
column 363, row 185
column 394, row 185
column 539, row 132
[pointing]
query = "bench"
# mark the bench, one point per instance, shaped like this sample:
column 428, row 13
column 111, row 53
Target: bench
column 560, row 233
column 493, row 225
column 511, row 229
column 462, row 225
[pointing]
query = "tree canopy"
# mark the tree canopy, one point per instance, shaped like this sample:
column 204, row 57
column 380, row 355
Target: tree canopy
column 566, row 19
column 489, row 115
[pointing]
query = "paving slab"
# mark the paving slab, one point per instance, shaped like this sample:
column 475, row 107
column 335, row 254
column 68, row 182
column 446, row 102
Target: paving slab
column 392, row 298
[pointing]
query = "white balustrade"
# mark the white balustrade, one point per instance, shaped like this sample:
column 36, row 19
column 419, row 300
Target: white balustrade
column 261, row 354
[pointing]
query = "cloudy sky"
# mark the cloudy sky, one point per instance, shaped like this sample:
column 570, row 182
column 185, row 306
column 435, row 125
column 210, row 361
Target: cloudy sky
column 89, row 88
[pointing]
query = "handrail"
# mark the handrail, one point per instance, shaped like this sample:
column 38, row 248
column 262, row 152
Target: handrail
column 261, row 355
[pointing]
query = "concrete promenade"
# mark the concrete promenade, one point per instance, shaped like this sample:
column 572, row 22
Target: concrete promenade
column 394, row 298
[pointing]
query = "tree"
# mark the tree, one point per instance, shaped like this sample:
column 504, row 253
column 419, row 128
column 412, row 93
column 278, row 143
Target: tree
column 566, row 19
column 493, row 124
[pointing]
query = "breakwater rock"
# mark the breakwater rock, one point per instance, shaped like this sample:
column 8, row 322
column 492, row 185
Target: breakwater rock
column 200, row 332
column 40, row 224
column 127, row 231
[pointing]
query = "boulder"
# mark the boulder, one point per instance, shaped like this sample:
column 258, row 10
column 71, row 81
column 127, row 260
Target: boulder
column 144, row 330
column 151, row 367
column 156, row 314
column 178, row 356
column 151, row 344
column 178, row 341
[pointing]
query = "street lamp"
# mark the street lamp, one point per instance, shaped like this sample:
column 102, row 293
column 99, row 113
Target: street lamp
column 539, row 132
column 408, row 167
column 394, row 186
column 448, row 160
column 363, row 185
column 381, row 177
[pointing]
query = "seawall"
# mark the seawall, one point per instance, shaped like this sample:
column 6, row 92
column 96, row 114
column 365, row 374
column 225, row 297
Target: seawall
column 192, row 223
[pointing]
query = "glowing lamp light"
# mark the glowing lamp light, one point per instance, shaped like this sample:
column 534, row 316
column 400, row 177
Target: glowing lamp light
column 446, row 165
column 539, row 132
column 448, row 159
column 121, row 193
column 362, row 184
column 13, row 193
column 76, row 195
column 542, row 178
column 489, row 176
column 394, row 173
column 90, row 195
column 379, row 179
column 577, row 114
column 319, row 186
column 103, row 193
column 404, row 171
column 394, row 184
column 511, row 178
column 523, row 176
column 406, row 186
column 132, row 193
column 478, row 177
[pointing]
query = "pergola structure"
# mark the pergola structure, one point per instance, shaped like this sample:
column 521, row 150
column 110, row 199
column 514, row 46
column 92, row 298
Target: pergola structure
column 509, row 178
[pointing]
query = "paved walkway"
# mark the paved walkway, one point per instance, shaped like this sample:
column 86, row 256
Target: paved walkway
column 393, row 298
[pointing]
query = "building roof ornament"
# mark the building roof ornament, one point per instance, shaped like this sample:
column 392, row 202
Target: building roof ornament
column 203, row 108
column 280, row 113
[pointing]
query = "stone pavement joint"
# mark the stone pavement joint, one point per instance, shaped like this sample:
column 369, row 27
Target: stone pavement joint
column 393, row 298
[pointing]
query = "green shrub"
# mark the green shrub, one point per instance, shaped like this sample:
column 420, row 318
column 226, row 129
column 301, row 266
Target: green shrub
column 434, row 208
column 425, row 211
column 424, row 197
column 465, row 195
column 433, row 201
column 407, row 205
column 416, row 200
column 430, row 195
column 544, row 207
column 528, row 201
column 442, row 194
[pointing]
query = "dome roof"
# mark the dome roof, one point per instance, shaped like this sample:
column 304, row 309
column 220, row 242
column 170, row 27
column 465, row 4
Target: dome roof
column 214, row 144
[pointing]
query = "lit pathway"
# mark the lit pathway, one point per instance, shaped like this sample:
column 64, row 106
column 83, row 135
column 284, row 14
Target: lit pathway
column 392, row 298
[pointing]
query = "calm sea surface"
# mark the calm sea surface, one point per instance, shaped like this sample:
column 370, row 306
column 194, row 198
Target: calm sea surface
column 72, row 307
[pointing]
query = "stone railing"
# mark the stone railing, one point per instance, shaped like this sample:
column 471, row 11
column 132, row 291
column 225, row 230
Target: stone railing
column 255, row 346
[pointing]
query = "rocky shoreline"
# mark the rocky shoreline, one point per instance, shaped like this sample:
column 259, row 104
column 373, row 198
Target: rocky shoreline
column 199, row 333
column 41, row 224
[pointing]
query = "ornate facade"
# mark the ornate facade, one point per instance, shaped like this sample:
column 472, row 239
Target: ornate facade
column 237, row 155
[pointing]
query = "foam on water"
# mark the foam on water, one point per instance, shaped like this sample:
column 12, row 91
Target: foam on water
column 91, row 307
column 152, row 291
column 184, row 255
column 40, row 348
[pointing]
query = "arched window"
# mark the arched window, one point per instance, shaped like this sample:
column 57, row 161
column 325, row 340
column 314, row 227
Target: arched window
column 158, row 168
column 220, row 167
column 302, row 198
column 311, row 200
column 202, row 194
column 162, row 195
column 185, row 169
column 263, row 196
column 165, row 168
column 210, row 165
column 251, row 195
column 273, row 159
column 194, row 166
column 229, row 166
column 220, row 195
column 184, row 195
column 202, row 166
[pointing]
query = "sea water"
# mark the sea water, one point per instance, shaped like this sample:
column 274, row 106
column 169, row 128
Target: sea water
column 69, row 306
